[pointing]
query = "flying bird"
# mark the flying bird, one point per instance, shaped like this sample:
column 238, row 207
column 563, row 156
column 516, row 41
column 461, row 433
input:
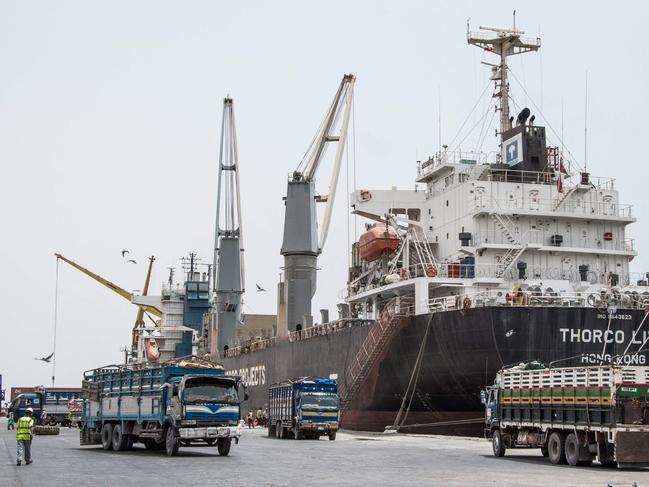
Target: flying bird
column 130, row 260
column 260, row 289
column 125, row 253
column 509, row 333
column 47, row 359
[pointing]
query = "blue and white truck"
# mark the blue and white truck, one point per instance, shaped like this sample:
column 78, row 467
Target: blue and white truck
column 308, row 407
column 51, row 406
column 165, row 406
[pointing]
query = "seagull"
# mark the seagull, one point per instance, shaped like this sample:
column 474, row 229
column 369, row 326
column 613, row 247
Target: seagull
column 509, row 333
column 47, row 359
column 130, row 260
column 260, row 289
column 125, row 252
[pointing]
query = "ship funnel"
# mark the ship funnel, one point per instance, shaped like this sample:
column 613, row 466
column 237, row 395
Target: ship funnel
column 523, row 116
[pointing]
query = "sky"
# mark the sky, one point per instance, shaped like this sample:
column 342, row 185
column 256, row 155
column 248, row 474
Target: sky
column 110, row 118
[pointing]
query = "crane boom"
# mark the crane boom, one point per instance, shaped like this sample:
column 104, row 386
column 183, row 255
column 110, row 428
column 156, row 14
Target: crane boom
column 113, row 287
column 139, row 320
column 301, row 246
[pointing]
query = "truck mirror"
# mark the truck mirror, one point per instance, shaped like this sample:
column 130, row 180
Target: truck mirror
column 483, row 397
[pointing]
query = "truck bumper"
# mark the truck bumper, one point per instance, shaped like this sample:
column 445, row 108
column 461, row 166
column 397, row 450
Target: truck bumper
column 323, row 427
column 210, row 432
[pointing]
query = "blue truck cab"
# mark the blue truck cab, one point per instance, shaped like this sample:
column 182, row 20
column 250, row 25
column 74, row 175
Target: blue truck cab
column 163, row 406
column 50, row 406
column 308, row 407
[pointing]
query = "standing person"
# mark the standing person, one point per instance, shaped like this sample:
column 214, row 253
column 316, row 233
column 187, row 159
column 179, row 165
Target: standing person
column 10, row 421
column 250, row 419
column 264, row 417
column 24, row 434
column 259, row 419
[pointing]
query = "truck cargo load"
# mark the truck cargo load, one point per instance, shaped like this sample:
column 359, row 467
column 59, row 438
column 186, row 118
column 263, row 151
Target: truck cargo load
column 166, row 406
column 573, row 414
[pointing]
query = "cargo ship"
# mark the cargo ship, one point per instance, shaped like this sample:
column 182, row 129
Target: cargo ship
column 495, row 258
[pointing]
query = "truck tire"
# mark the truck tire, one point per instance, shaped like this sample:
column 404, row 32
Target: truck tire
column 51, row 421
column 107, row 437
column 544, row 451
column 271, row 430
column 120, row 440
column 557, row 448
column 224, row 444
column 46, row 430
column 171, row 442
column 332, row 435
column 297, row 434
column 575, row 452
column 497, row 443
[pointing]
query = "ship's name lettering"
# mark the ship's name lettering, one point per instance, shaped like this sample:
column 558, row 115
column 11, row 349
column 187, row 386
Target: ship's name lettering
column 251, row 376
column 604, row 316
column 577, row 335
column 598, row 358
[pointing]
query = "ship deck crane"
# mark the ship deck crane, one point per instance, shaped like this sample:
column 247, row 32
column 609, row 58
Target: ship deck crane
column 301, row 245
column 139, row 320
column 228, row 268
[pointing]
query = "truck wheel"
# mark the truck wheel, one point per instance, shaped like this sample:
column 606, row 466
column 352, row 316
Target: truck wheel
column 120, row 440
column 51, row 421
column 544, row 451
column 171, row 442
column 497, row 444
column 107, row 437
column 224, row 444
column 332, row 435
column 271, row 431
column 557, row 448
column 130, row 439
column 575, row 451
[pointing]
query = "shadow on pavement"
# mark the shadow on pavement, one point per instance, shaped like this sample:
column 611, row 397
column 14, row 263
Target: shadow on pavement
column 541, row 460
column 136, row 451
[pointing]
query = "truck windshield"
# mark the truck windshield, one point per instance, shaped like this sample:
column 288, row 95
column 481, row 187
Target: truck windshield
column 319, row 401
column 209, row 391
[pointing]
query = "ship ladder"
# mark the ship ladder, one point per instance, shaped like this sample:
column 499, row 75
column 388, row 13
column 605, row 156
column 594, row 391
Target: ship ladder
column 373, row 346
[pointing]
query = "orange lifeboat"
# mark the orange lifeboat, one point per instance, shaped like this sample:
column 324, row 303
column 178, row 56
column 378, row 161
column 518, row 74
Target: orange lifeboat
column 152, row 351
column 378, row 241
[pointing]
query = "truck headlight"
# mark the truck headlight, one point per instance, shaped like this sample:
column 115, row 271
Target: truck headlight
column 188, row 422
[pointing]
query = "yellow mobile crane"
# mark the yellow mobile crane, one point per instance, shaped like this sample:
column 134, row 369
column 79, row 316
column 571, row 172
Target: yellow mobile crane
column 139, row 320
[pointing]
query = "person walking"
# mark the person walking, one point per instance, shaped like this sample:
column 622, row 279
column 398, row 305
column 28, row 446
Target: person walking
column 10, row 422
column 250, row 420
column 259, row 419
column 24, row 434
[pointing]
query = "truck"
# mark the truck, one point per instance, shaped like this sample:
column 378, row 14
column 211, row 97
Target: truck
column 574, row 415
column 308, row 407
column 50, row 405
column 165, row 406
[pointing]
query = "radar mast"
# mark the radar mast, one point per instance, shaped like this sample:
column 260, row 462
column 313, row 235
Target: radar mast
column 505, row 43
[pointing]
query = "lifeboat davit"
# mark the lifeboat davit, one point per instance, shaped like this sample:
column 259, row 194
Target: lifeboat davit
column 378, row 241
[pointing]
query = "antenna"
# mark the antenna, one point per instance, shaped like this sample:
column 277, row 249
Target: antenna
column 586, row 126
column 439, row 114
column 505, row 43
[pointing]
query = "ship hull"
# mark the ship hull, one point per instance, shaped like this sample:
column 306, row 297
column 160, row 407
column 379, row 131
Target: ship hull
column 461, row 350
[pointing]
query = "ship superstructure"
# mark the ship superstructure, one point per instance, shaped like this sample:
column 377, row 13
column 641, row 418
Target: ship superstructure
column 508, row 225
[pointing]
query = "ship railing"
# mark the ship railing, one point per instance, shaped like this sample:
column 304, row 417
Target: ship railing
column 327, row 328
column 250, row 346
column 603, row 301
column 455, row 157
column 532, row 203
column 481, row 271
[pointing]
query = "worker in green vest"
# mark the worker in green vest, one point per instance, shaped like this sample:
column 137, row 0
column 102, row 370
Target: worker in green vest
column 24, row 434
